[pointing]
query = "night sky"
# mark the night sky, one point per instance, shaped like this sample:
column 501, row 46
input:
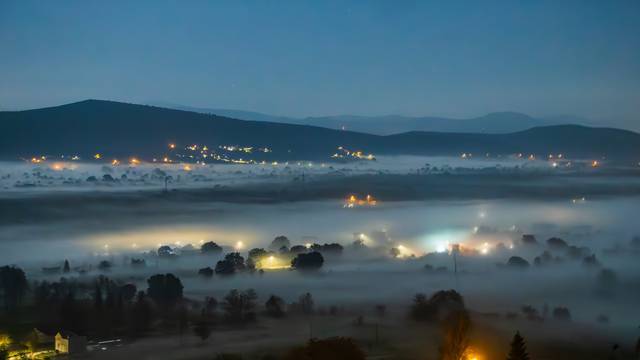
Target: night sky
column 307, row 58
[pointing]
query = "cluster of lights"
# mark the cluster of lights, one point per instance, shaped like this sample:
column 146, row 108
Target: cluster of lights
column 353, row 201
column 345, row 153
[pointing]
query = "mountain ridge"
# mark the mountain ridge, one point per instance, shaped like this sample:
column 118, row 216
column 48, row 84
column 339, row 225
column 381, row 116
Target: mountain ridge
column 125, row 129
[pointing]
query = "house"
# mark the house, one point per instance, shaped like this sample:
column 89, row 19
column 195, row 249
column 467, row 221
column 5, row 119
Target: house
column 70, row 343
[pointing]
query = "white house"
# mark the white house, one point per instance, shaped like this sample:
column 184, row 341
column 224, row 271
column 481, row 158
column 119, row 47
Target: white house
column 70, row 343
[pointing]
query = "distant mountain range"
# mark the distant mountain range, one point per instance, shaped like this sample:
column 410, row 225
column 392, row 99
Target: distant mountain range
column 493, row 123
column 122, row 129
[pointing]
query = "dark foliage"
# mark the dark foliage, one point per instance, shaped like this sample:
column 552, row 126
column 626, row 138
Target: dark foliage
column 239, row 306
column 274, row 306
column 206, row 272
column 516, row 262
column 338, row 348
column 164, row 289
column 13, row 283
column 562, row 313
column 279, row 242
column 437, row 307
column 518, row 349
column 210, row 248
column 308, row 261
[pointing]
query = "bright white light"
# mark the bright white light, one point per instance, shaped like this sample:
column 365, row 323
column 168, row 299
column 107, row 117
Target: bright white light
column 307, row 245
column 482, row 215
column 239, row 245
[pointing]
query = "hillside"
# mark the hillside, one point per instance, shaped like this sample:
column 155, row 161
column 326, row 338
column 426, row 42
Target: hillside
column 120, row 129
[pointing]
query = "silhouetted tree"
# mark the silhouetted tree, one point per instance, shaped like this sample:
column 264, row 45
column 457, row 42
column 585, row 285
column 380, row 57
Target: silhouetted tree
column 141, row 315
column 13, row 283
column 239, row 306
column 128, row 292
column 455, row 343
column 305, row 301
column 165, row 251
column 308, row 261
column 275, row 306
column 232, row 262
column 561, row 313
column 518, row 349
column 66, row 268
column 164, row 289
column 438, row 306
column 206, row 272
column 557, row 244
column 516, row 262
column 279, row 242
column 258, row 253
column 202, row 329
column 210, row 248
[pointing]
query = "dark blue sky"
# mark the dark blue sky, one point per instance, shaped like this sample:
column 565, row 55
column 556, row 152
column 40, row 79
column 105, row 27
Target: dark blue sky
column 452, row 58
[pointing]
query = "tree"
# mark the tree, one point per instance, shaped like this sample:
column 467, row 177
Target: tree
column 141, row 314
column 256, row 254
column 202, row 329
column 210, row 248
column 561, row 313
column 516, row 262
column 66, row 268
column 338, row 348
column 438, row 306
column 308, row 261
column 239, row 306
column 555, row 243
column 206, row 272
column 232, row 262
column 455, row 342
column 279, row 242
column 275, row 306
column 128, row 292
column 165, row 251
column 164, row 289
column 13, row 283
column 518, row 349
column 306, row 303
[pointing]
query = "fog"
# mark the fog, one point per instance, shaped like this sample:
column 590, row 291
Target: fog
column 43, row 226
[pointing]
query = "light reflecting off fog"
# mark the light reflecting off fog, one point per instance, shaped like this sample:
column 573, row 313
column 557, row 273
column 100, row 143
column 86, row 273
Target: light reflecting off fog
column 421, row 226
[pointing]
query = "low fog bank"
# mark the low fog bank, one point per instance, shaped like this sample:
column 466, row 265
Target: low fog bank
column 597, row 236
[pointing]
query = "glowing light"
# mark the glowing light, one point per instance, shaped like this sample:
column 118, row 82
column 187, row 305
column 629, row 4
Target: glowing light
column 187, row 168
column 115, row 162
column 307, row 245
column 134, row 161
column 97, row 156
column 595, row 163
column 172, row 146
column 239, row 245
